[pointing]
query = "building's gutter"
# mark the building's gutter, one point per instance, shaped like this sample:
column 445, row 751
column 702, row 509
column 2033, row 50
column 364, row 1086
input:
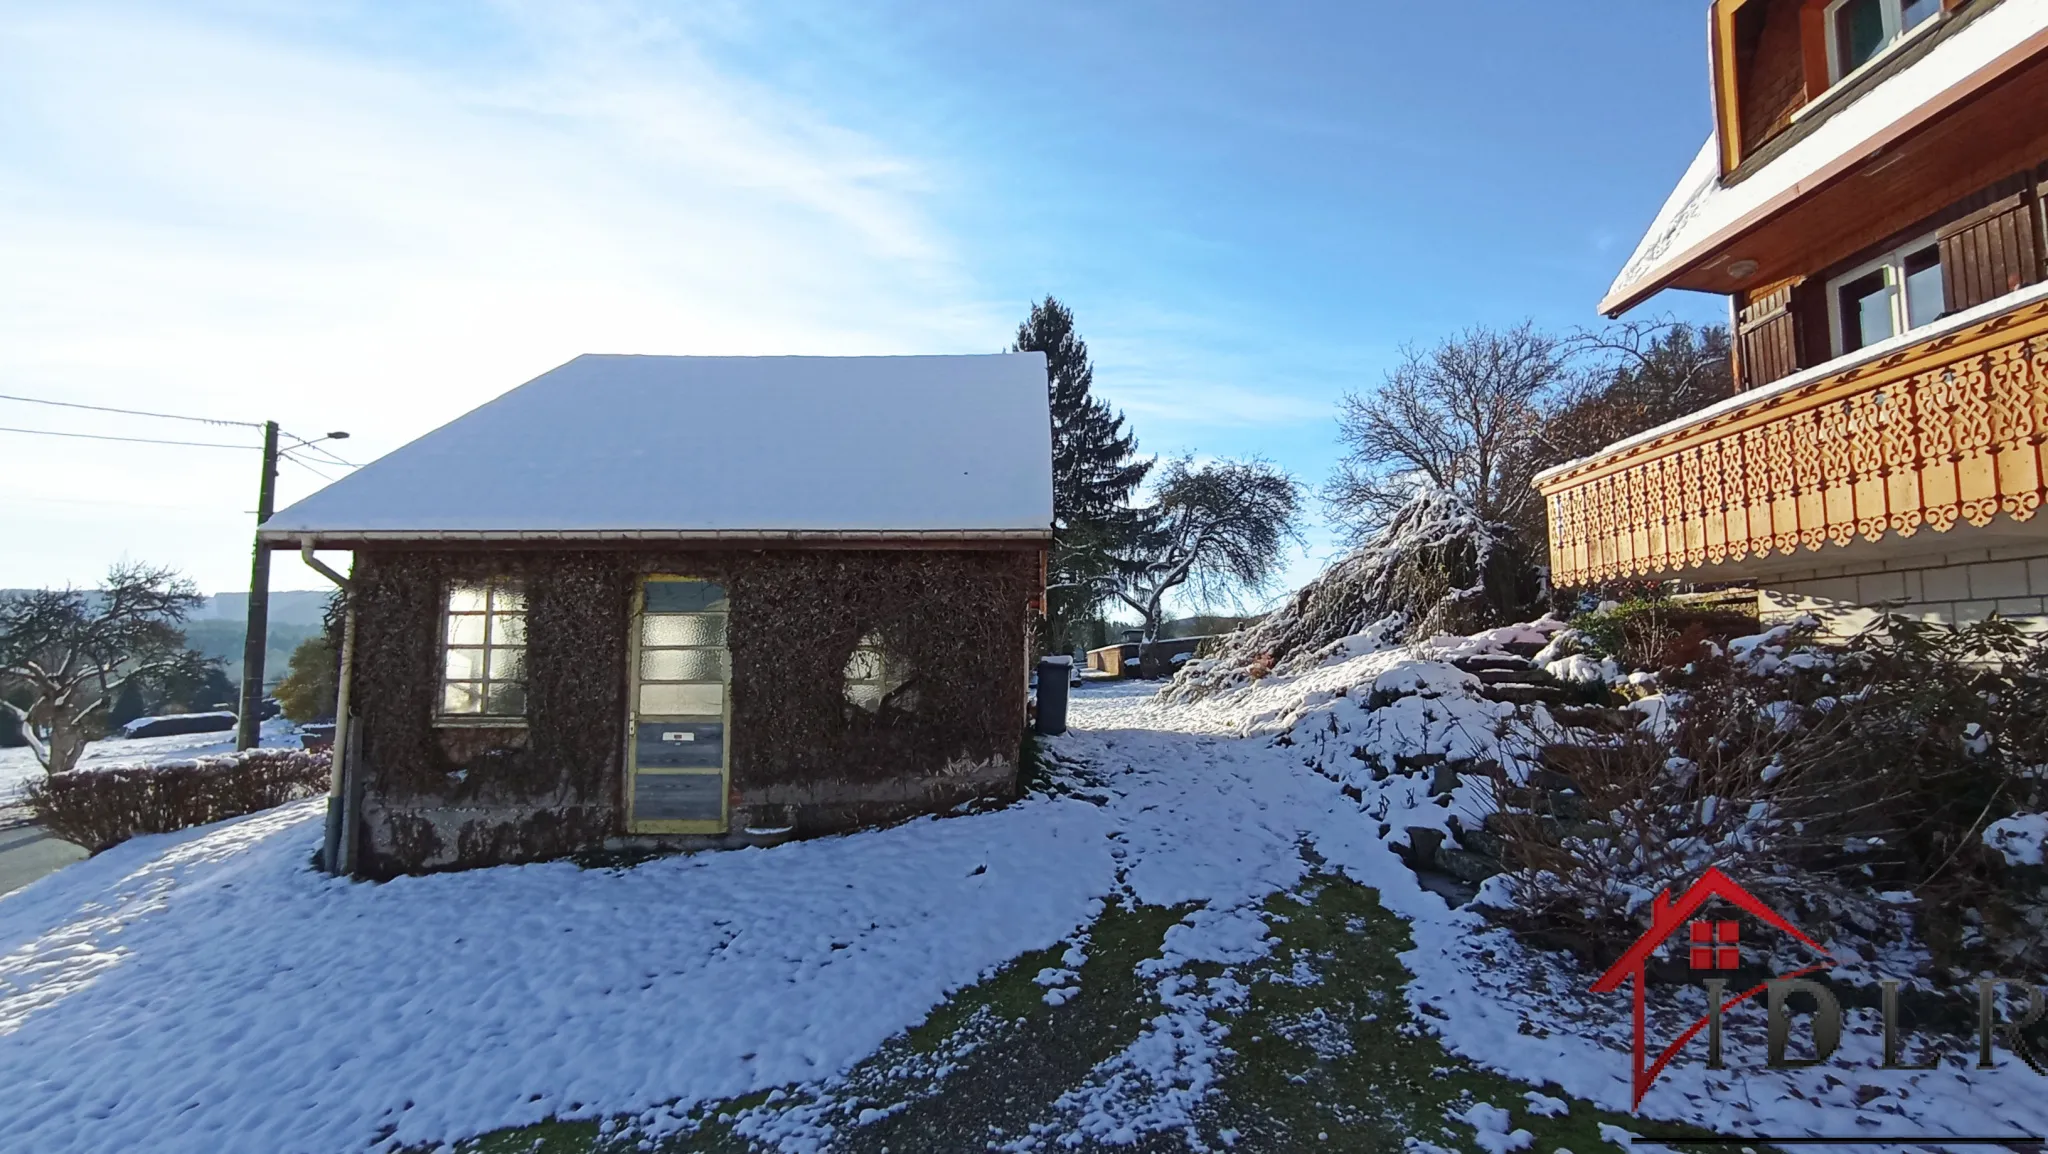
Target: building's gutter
column 337, row 851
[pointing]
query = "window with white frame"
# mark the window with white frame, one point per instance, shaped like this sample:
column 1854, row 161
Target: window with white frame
column 1859, row 30
column 484, row 648
column 1897, row 292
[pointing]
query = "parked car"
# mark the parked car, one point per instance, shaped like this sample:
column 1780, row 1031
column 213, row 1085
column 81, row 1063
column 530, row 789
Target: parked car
column 175, row 723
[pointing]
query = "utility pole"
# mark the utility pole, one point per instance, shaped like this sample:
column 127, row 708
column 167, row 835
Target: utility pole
column 257, row 639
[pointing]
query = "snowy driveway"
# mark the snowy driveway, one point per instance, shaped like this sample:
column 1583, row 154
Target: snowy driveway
column 207, row 991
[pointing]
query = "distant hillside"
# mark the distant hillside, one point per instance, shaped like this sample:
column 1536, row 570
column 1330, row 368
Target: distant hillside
column 223, row 639
column 293, row 608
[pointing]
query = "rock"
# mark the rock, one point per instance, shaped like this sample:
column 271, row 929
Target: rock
column 1484, row 843
column 1445, row 779
column 1551, row 781
column 1424, row 844
column 1466, row 866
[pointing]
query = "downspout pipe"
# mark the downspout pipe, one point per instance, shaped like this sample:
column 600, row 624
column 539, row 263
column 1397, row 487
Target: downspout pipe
column 336, row 856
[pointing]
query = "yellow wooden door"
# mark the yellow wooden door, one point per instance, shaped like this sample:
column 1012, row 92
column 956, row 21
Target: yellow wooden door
column 678, row 749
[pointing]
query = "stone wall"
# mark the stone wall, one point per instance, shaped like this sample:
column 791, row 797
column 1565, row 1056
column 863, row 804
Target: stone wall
column 1953, row 588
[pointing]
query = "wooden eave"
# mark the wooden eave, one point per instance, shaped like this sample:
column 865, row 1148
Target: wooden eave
column 1969, row 135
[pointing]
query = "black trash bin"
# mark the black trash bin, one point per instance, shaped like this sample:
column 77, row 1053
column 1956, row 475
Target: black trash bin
column 1053, row 674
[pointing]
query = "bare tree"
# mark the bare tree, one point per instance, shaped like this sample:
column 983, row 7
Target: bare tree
column 1219, row 530
column 1462, row 418
column 74, row 649
column 1634, row 377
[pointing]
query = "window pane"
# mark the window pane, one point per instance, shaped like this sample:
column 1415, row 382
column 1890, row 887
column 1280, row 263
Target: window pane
column 682, row 700
column 685, row 597
column 461, row 697
column 508, row 599
column 1859, row 32
column 506, row 699
column 508, row 629
column 465, row 629
column 864, row 665
column 466, row 599
column 868, row 697
column 1918, row 10
column 679, row 629
column 508, row 663
column 1866, row 304
column 683, row 664
column 465, row 664
column 1924, row 298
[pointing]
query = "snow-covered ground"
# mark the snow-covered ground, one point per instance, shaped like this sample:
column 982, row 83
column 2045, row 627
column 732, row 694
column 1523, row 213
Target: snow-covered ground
column 208, row 991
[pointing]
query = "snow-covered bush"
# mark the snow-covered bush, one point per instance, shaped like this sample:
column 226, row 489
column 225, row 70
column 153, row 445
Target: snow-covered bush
column 1831, row 779
column 99, row 808
column 1438, row 567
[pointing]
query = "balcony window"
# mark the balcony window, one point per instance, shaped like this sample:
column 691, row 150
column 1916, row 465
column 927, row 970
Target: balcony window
column 1860, row 30
column 1897, row 292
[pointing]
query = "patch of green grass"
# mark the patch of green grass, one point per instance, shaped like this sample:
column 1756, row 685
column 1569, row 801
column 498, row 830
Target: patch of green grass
column 1034, row 773
column 989, row 1061
column 1330, row 1058
column 1326, row 1054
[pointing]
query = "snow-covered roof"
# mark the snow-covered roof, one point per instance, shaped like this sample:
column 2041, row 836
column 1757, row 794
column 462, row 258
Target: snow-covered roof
column 1703, row 213
column 659, row 447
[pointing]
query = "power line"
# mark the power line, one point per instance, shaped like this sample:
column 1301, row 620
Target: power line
column 315, row 446
column 130, row 412
column 306, row 467
column 132, row 440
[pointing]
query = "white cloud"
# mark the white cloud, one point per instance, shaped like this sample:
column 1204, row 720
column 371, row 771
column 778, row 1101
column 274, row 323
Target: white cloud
column 245, row 216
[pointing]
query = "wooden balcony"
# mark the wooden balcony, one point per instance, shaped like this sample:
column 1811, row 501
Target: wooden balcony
column 1904, row 448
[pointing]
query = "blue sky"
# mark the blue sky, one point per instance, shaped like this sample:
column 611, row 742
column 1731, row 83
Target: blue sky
column 361, row 217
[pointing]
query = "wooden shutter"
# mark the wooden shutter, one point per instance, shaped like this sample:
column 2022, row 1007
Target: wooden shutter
column 1990, row 252
column 1767, row 339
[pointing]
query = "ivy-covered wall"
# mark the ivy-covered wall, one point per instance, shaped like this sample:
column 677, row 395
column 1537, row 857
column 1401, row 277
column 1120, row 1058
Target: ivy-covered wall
column 802, row 756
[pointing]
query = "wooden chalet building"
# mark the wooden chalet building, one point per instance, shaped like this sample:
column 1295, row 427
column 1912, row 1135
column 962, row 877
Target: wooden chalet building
column 687, row 601
column 1871, row 203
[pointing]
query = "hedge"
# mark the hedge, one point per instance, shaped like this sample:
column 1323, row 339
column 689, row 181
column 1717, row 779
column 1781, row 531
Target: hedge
column 100, row 808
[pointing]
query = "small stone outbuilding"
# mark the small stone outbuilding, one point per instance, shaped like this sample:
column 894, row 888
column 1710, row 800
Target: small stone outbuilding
column 689, row 602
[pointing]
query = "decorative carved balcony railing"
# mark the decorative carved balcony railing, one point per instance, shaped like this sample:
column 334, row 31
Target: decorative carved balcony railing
column 1948, row 429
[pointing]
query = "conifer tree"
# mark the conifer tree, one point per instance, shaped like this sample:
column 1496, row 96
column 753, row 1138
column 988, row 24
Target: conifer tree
column 1095, row 472
column 128, row 705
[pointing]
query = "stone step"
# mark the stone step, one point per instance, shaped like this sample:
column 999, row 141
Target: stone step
column 1576, row 762
column 1525, row 693
column 1549, row 803
column 1598, row 718
column 1523, row 675
column 1483, row 662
